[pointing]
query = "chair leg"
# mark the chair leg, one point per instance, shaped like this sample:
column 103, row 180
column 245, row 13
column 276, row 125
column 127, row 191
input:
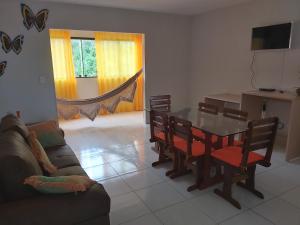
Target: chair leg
column 175, row 164
column 250, row 182
column 181, row 169
column 155, row 147
column 226, row 192
column 162, row 158
column 199, row 176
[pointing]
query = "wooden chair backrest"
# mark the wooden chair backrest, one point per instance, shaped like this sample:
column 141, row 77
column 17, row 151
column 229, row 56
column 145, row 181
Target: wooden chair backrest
column 208, row 108
column 183, row 129
column 159, row 123
column 261, row 134
column 235, row 114
column 160, row 103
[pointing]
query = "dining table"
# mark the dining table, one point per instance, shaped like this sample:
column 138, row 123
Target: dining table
column 211, row 124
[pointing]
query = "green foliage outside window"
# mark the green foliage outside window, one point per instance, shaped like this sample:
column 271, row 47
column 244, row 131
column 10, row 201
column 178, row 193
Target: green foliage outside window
column 84, row 57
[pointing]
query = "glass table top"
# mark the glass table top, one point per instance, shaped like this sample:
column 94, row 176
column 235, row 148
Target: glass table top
column 213, row 124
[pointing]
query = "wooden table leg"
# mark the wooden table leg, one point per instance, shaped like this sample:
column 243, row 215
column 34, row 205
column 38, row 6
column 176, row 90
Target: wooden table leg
column 203, row 179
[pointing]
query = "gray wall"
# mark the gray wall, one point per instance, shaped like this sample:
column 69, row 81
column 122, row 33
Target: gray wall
column 221, row 54
column 167, row 46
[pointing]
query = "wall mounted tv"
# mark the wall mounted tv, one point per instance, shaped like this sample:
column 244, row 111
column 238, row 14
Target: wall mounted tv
column 271, row 37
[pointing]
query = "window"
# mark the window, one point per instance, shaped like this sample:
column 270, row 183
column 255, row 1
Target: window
column 84, row 57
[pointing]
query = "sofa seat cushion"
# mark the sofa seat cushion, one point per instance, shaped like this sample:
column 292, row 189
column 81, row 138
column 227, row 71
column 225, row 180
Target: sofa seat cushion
column 16, row 163
column 62, row 156
column 71, row 170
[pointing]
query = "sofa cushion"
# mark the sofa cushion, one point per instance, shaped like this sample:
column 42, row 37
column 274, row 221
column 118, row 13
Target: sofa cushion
column 11, row 122
column 16, row 163
column 61, row 184
column 62, row 156
column 39, row 153
column 48, row 133
column 71, row 170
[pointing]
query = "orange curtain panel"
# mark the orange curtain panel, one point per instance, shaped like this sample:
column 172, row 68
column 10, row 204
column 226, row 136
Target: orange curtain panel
column 120, row 56
column 62, row 61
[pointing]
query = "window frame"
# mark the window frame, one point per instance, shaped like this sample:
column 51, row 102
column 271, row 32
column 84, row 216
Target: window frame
column 82, row 39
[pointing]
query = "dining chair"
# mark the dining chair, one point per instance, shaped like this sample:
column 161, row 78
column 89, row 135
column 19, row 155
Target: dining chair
column 236, row 115
column 207, row 108
column 240, row 162
column 160, row 103
column 160, row 135
column 185, row 148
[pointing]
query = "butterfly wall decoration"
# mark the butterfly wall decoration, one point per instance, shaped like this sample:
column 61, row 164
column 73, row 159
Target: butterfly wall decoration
column 8, row 44
column 2, row 67
column 30, row 19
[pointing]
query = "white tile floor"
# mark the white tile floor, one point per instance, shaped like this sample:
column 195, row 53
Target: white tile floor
column 115, row 151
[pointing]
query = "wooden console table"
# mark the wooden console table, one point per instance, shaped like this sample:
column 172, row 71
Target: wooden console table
column 252, row 102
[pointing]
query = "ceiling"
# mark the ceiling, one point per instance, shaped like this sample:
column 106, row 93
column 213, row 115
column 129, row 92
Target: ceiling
column 183, row 7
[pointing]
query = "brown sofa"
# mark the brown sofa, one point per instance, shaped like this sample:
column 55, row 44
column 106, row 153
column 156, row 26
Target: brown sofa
column 22, row 205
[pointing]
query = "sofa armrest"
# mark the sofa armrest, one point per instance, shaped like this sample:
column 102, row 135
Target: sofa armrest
column 57, row 209
column 62, row 132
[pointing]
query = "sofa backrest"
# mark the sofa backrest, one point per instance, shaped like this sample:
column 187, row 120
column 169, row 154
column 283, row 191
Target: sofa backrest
column 11, row 122
column 16, row 163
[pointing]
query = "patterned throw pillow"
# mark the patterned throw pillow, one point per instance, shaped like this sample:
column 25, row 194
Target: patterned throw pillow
column 40, row 154
column 60, row 185
column 48, row 134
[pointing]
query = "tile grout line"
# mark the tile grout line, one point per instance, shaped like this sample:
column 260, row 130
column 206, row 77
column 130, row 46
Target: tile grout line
column 262, row 216
column 241, row 211
column 154, row 211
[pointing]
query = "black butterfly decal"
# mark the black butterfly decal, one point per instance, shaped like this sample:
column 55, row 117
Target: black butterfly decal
column 8, row 44
column 30, row 19
column 2, row 67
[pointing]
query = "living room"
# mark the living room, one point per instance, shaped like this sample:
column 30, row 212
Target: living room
column 193, row 50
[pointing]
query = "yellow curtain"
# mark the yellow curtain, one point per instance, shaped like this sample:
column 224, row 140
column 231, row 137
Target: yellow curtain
column 63, row 68
column 119, row 56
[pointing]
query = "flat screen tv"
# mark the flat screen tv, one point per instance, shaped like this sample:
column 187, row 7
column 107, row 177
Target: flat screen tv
column 271, row 37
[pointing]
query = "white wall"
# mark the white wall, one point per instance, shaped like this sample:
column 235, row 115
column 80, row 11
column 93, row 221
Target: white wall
column 87, row 88
column 167, row 45
column 188, row 57
column 221, row 54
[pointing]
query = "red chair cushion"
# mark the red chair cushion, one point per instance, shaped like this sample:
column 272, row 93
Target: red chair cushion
column 198, row 148
column 160, row 135
column 232, row 155
column 198, row 133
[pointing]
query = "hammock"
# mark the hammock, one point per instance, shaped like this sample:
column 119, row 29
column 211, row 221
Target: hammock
column 109, row 101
